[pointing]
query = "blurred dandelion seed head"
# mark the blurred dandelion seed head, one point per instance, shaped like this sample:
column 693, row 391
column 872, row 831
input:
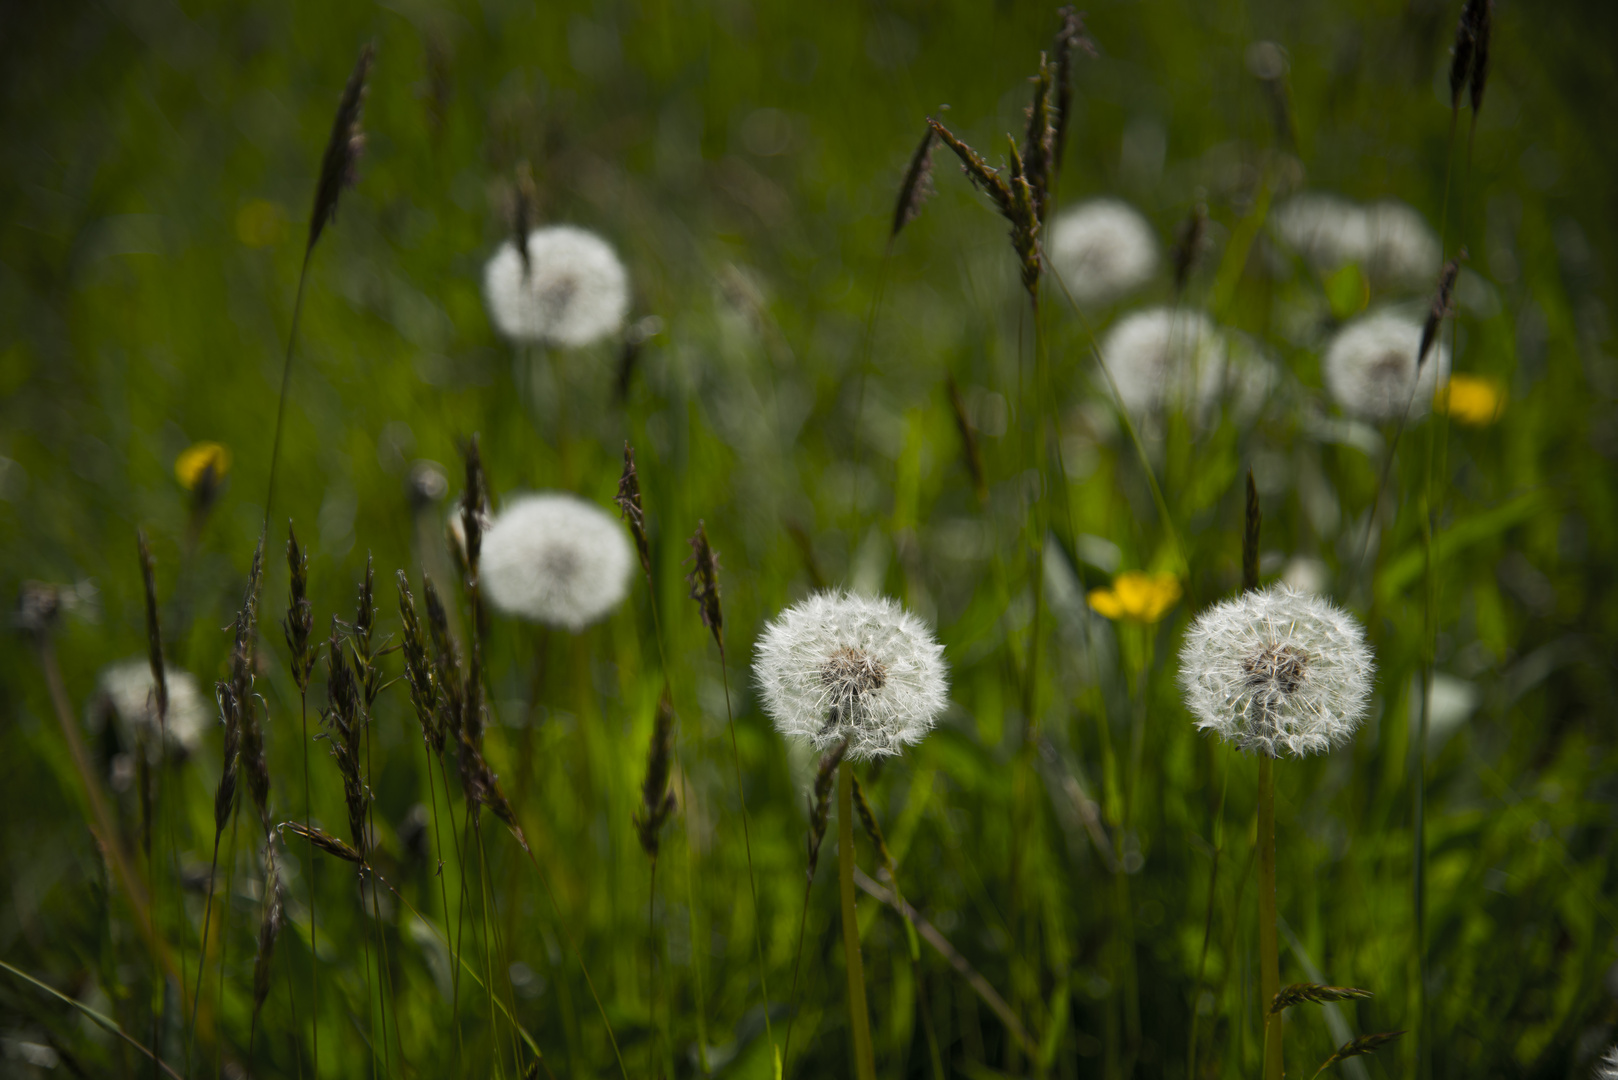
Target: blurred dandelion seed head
column 839, row 666
column 555, row 559
column 1277, row 670
column 1163, row 359
column 1608, row 1069
column 1137, row 597
column 572, row 291
column 1104, row 249
column 1471, row 399
column 195, row 461
column 1389, row 239
column 1371, row 365
column 127, row 687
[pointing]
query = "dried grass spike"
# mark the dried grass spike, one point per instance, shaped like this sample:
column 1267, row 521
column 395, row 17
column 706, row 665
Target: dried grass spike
column 524, row 210
column 1039, row 145
column 977, row 170
column 629, row 505
column 225, row 794
column 1440, row 307
column 419, row 669
column 323, row 840
column 474, row 507
column 1252, row 521
column 1365, row 1044
column 918, row 184
column 704, row 582
column 820, row 805
column 154, row 632
column 657, row 800
column 969, row 439
column 1071, row 37
column 1188, row 245
column 269, row 927
column 299, row 623
column 1298, row 993
column 343, row 149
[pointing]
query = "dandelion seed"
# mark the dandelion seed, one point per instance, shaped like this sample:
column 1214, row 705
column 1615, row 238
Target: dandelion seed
column 570, row 291
column 838, row 666
column 1277, row 670
column 1137, row 597
column 1104, row 249
column 555, row 559
column 1371, row 368
column 1608, row 1069
column 127, row 688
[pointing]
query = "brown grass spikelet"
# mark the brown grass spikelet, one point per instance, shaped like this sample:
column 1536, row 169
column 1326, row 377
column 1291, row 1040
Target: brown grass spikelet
column 483, row 788
column 1071, row 39
column 1440, row 307
column 250, row 736
column 1024, row 221
column 629, row 505
column 345, row 722
column 225, row 794
column 977, row 170
column 299, row 623
column 474, row 507
column 868, row 819
column 657, row 799
column 1188, row 243
column 1298, row 993
column 446, row 661
column 362, row 640
column 524, row 212
column 820, row 803
column 1365, row 1044
column 269, row 926
column 323, row 840
column 917, row 186
column 154, row 631
column 969, row 439
column 419, row 669
column 704, row 582
column 343, row 149
column 1039, row 144
column 1463, row 53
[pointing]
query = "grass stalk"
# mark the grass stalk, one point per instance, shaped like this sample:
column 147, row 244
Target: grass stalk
column 859, row 1017
column 1268, row 942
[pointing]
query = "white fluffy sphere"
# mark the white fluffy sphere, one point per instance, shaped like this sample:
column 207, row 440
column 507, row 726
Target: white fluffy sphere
column 555, row 559
column 573, row 290
column 1277, row 670
column 838, row 666
column 128, row 688
column 1370, row 367
column 1165, row 359
column 1103, row 249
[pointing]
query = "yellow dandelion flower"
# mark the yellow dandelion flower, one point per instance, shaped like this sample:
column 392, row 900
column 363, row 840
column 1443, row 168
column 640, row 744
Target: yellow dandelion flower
column 1471, row 399
column 1137, row 597
column 209, row 458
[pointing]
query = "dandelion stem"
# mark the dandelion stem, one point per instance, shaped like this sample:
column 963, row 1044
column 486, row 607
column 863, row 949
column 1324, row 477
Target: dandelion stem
column 1268, row 945
column 859, row 1018
column 1207, row 926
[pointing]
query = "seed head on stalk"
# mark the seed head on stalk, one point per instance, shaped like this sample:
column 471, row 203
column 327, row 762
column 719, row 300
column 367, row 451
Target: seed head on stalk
column 419, row 670
column 657, row 799
column 1071, row 39
column 343, row 149
column 154, row 632
column 629, row 506
column 820, row 804
column 704, row 582
column 345, row 721
column 917, row 186
column 299, row 623
column 269, row 927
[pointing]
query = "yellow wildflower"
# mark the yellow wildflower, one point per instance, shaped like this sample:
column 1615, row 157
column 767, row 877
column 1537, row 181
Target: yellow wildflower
column 209, row 458
column 1138, row 597
column 1471, row 399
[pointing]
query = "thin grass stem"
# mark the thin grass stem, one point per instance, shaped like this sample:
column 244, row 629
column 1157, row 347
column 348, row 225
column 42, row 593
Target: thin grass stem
column 859, row 1017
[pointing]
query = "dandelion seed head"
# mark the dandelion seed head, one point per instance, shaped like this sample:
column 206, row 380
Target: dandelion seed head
column 127, row 687
column 1277, row 670
column 1404, row 252
column 839, row 666
column 1389, row 239
column 1608, row 1068
column 1370, row 367
column 1162, row 359
column 1104, row 249
column 573, row 290
column 555, row 559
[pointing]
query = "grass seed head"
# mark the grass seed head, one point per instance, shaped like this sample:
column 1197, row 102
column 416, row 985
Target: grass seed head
column 1482, row 31
column 1039, row 143
column 154, row 632
column 299, row 624
column 1440, row 307
column 657, row 800
column 704, row 582
column 1188, row 245
column 1365, row 1044
column 269, row 926
column 969, row 440
column 1252, row 521
column 1298, row 993
column 820, row 804
column 917, row 186
column 1462, row 52
column 1071, row 39
column 338, row 168
column 629, row 507
column 323, row 840
column 419, row 669
column 474, row 508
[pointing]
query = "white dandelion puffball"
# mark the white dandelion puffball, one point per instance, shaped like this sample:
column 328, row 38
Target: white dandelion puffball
column 839, row 666
column 128, row 688
column 1277, row 670
column 572, row 291
column 1328, row 231
column 1104, row 249
column 1404, row 251
column 555, row 559
column 1160, row 358
column 1371, row 368
column 1608, row 1069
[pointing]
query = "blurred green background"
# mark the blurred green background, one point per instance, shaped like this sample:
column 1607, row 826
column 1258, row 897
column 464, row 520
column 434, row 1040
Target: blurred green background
column 159, row 159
